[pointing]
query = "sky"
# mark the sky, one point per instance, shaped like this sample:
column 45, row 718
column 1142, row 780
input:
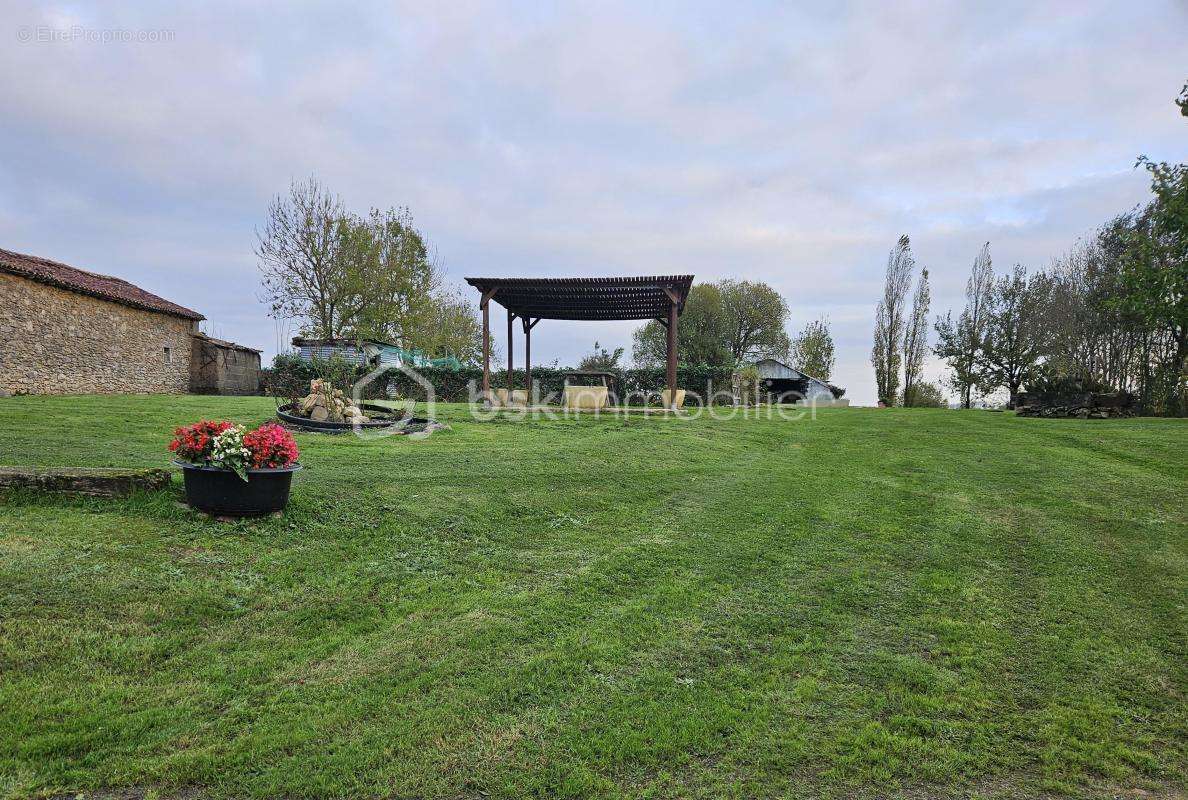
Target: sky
column 790, row 143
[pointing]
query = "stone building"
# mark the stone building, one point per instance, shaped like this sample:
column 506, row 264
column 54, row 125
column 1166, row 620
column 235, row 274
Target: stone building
column 65, row 330
column 221, row 367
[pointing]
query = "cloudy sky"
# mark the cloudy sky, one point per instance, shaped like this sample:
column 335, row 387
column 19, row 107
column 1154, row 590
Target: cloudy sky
column 785, row 142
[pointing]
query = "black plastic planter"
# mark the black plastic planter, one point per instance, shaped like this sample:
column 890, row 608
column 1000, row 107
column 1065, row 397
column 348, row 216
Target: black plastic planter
column 387, row 417
column 225, row 494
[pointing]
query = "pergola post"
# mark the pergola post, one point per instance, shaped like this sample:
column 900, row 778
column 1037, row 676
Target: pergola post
column 526, row 323
column 485, row 304
column 510, row 347
column 671, row 341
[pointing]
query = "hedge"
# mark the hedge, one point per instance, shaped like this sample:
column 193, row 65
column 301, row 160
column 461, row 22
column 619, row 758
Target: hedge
column 290, row 376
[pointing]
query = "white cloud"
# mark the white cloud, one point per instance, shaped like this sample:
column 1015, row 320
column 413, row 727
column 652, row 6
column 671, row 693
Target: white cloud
column 789, row 145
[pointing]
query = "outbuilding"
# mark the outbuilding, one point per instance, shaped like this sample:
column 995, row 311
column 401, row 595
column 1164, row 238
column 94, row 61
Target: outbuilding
column 788, row 384
column 65, row 330
column 221, row 367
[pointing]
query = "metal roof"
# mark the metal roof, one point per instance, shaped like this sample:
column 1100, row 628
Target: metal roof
column 342, row 341
column 790, row 368
column 590, row 299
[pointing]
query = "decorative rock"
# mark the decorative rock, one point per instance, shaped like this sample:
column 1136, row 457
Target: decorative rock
column 326, row 404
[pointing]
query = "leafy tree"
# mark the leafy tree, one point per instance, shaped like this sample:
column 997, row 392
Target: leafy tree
column 701, row 339
column 1155, row 272
column 1117, row 311
column 1015, row 333
column 723, row 324
column 456, row 330
column 812, row 350
column 401, row 285
column 885, row 355
column 753, row 315
column 601, row 360
column 915, row 339
column 749, row 383
column 960, row 343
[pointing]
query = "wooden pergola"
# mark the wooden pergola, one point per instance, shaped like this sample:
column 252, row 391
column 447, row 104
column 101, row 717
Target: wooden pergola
column 661, row 298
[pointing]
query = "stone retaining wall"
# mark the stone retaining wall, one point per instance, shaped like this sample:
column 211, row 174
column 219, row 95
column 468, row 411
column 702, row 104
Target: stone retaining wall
column 54, row 341
column 1083, row 405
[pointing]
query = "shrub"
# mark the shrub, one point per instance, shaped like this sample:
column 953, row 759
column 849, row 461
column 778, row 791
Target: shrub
column 290, row 375
column 925, row 395
column 748, row 384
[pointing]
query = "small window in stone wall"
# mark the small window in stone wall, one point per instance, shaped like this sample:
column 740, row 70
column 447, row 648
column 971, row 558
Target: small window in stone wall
column 168, row 355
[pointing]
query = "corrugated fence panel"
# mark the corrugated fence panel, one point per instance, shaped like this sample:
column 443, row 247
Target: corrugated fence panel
column 325, row 352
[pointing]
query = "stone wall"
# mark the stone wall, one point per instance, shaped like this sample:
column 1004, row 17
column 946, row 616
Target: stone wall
column 54, row 341
column 1083, row 405
column 218, row 369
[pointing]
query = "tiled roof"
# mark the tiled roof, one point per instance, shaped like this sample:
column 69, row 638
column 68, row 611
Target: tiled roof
column 79, row 280
column 225, row 343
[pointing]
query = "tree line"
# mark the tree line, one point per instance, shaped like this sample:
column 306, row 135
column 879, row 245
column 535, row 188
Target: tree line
column 372, row 276
column 1111, row 314
column 346, row 275
column 729, row 323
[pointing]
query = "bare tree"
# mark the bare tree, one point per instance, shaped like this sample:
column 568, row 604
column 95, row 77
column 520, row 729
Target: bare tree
column 885, row 355
column 915, row 340
column 1092, row 331
column 960, row 343
column 300, row 252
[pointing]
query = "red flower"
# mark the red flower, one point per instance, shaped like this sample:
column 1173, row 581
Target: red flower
column 271, row 446
column 193, row 443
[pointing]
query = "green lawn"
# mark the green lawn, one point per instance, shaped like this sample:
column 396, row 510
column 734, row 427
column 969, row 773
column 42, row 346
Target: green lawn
column 930, row 602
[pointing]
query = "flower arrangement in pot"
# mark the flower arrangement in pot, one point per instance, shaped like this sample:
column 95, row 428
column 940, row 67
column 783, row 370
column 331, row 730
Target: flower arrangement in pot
column 230, row 471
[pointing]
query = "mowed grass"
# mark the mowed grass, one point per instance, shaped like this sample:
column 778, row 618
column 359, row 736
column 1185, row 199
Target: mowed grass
column 874, row 602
